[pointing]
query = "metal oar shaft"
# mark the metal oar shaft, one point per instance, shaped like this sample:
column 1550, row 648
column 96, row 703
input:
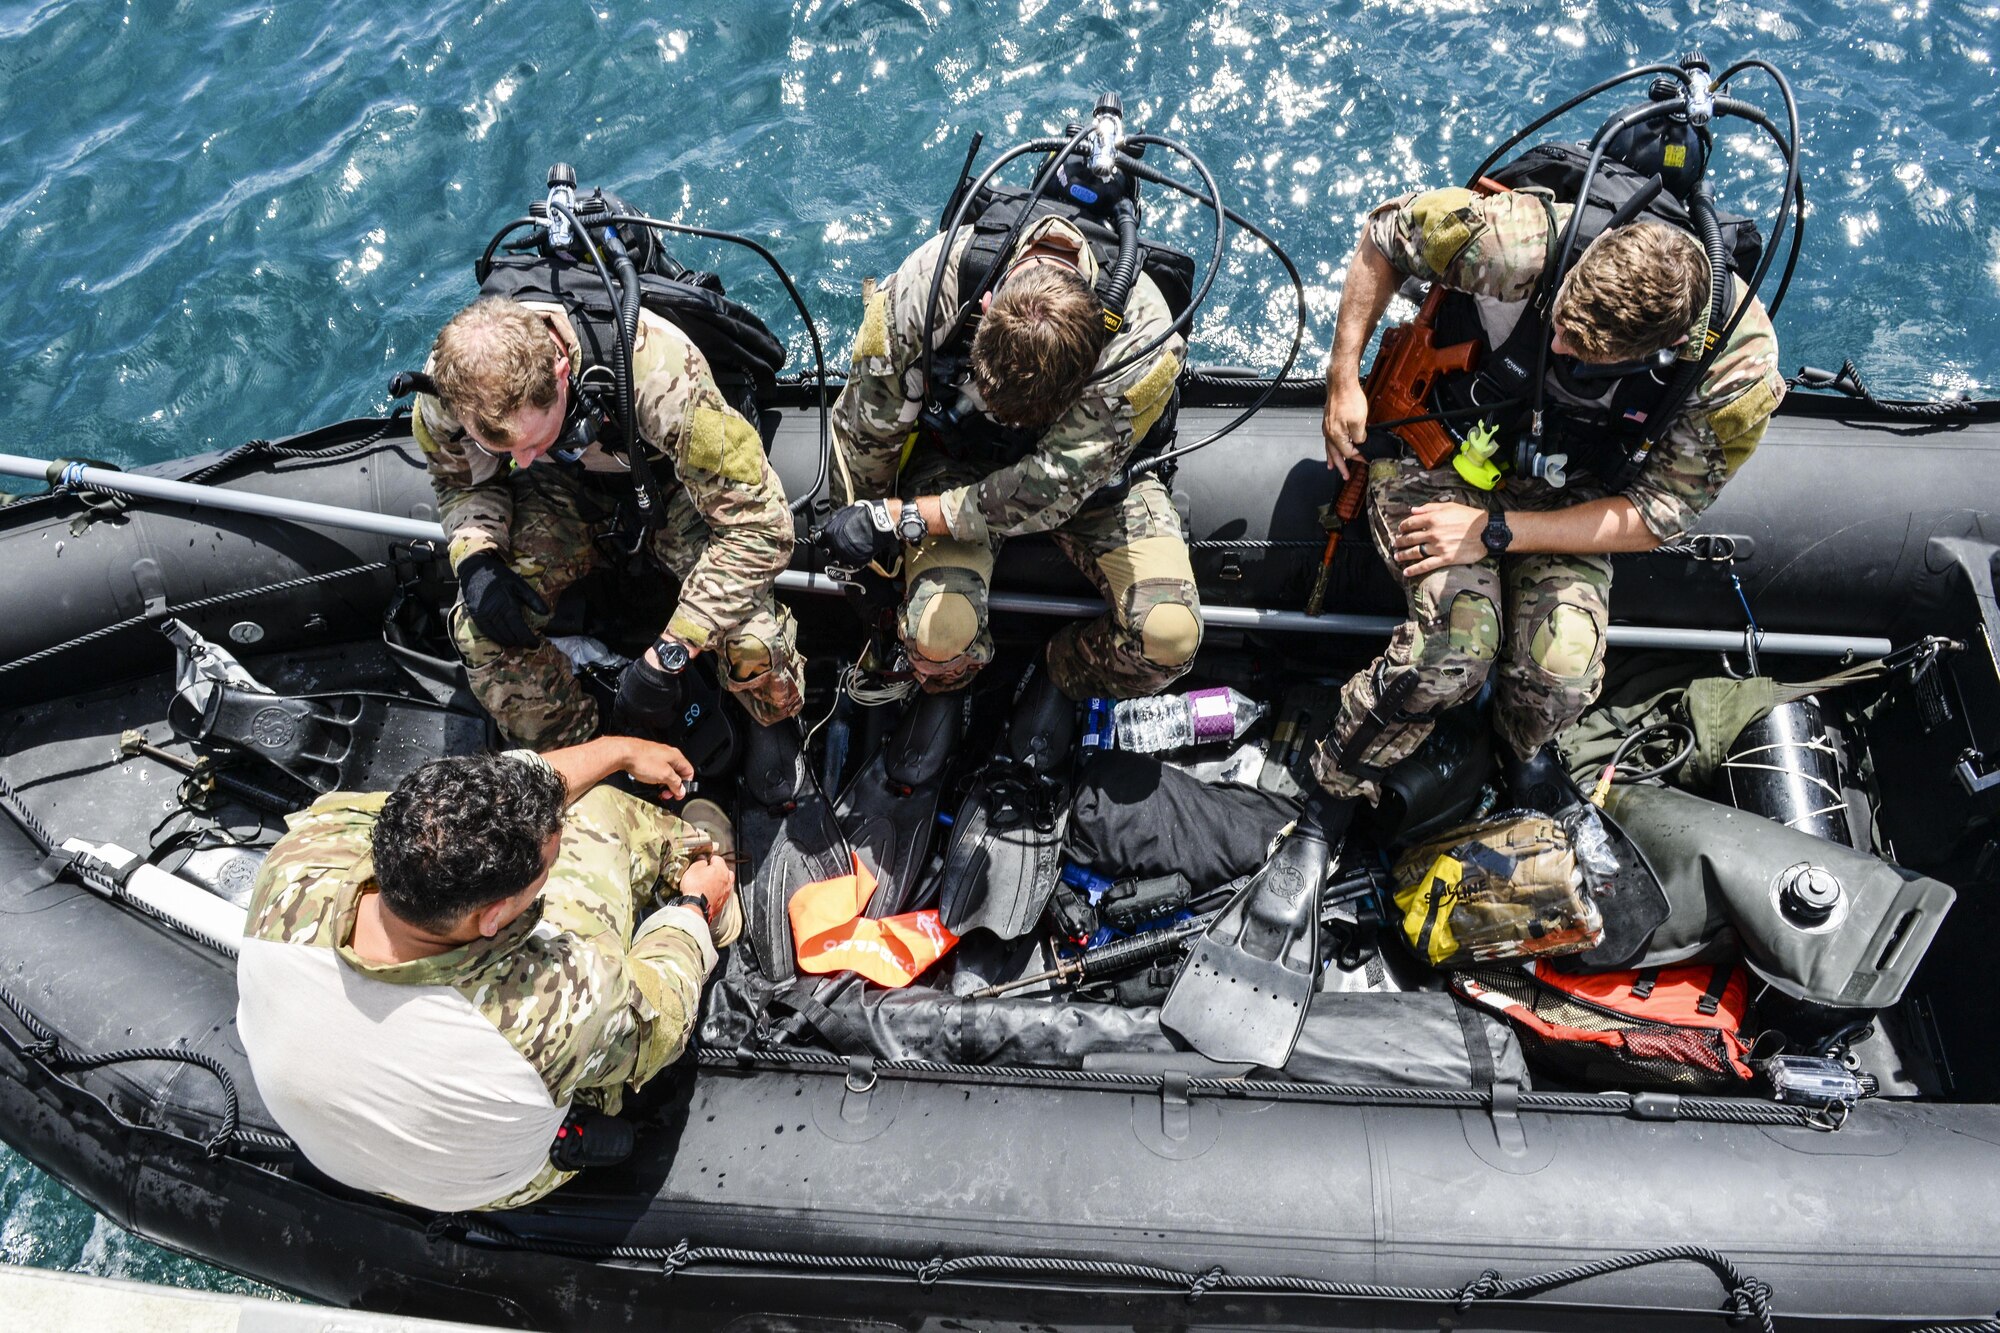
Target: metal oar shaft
column 218, row 497
column 1379, row 627
column 1219, row 617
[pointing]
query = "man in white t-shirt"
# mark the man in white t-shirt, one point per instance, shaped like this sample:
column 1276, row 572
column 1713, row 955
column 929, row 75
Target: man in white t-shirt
column 432, row 977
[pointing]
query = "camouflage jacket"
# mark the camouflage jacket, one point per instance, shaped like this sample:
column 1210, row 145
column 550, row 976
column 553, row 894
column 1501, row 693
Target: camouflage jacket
column 587, row 1010
column 1496, row 246
column 686, row 424
column 874, row 422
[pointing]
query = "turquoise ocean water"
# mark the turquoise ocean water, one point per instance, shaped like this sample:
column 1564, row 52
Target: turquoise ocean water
column 225, row 221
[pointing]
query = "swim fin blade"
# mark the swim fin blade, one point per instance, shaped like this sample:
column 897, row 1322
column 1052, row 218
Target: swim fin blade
column 787, row 833
column 1006, row 848
column 1242, row 996
column 888, row 809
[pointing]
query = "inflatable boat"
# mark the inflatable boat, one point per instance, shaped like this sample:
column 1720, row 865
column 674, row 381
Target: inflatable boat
column 1020, row 1160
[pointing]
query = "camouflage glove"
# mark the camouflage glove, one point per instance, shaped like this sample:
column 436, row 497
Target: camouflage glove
column 860, row 534
column 494, row 595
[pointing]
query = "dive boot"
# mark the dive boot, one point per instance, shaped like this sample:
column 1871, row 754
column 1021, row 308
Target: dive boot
column 786, row 830
column 1615, row 872
column 1006, row 847
column 889, row 809
column 1242, row 996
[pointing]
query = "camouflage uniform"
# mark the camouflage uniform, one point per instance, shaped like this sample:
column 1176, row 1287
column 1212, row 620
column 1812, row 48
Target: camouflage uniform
column 592, row 1006
column 1132, row 548
column 1539, row 618
column 726, row 534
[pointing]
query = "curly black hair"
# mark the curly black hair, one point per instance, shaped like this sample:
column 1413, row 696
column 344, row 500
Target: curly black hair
column 460, row 834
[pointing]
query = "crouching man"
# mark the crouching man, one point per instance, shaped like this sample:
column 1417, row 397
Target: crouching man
column 431, row 978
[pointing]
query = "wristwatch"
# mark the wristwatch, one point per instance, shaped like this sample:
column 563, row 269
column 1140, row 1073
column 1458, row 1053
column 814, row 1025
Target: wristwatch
column 1498, row 536
column 910, row 525
column 673, row 654
column 694, row 900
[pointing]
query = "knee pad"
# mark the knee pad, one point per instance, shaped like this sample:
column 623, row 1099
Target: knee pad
column 747, row 657
column 1169, row 634
column 945, row 628
column 1565, row 643
column 1471, row 638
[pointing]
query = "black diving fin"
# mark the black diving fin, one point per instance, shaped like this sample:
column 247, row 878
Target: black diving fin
column 1006, row 844
column 1242, row 996
column 889, row 809
column 355, row 740
column 786, row 830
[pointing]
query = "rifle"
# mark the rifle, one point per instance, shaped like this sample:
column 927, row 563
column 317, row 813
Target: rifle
column 1399, row 386
column 1127, row 954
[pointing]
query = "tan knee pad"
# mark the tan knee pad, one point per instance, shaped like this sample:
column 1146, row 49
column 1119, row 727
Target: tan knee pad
column 1565, row 643
column 946, row 627
column 1169, row 634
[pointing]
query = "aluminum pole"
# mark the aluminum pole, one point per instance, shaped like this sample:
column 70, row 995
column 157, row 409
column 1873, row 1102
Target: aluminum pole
column 1221, row 617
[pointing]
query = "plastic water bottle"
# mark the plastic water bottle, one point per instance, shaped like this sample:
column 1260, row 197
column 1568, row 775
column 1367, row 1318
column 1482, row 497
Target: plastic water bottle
column 1172, row 721
column 1098, row 733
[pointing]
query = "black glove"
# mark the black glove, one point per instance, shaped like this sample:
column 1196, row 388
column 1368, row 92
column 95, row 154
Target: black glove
column 494, row 595
column 852, row 538
column 649, row 701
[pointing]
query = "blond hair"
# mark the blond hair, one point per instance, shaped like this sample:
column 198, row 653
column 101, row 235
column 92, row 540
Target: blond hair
column 1635, row 290
column 1037, row 345
column 491, row 360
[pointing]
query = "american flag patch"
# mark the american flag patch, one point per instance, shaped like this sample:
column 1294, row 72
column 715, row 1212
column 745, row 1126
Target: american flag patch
column 1636, row 415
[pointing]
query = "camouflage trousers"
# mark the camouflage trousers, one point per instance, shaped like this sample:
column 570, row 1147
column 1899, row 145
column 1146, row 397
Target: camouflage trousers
column 1534, row 623
column 1134, row 550
column 532, row 692
column 620, row 856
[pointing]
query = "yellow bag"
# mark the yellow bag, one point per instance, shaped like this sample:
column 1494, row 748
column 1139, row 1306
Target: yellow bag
column 1502, row 888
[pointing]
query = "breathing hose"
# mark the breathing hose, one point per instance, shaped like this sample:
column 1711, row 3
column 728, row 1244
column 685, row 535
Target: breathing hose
column 1272, row 386
column 1117, row 288
column 1595, row 90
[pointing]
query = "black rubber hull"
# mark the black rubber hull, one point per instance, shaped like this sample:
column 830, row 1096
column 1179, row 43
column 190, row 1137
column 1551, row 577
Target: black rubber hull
column 1889, row 1218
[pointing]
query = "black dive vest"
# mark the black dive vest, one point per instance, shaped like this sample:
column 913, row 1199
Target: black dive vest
column 975, row 436
column 740, row 350
column 1598, row 434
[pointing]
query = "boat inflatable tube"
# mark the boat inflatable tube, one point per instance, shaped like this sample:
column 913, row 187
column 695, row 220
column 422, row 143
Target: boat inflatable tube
column 1819, row 921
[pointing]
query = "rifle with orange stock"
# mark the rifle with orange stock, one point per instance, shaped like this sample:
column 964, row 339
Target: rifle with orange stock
column 1399, row 387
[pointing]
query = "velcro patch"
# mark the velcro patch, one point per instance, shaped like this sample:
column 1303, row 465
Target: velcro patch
column 727, row 445
column 873, row 340
column 1442, row 229
column 1739, row 423
column 425, row 440
column 1150, row 396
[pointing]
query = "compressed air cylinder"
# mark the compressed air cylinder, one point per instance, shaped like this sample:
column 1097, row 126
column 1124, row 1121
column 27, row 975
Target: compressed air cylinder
column 1787, row 766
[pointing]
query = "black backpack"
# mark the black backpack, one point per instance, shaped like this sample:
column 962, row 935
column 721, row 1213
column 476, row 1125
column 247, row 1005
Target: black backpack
column 740, row 349
column 994, row 211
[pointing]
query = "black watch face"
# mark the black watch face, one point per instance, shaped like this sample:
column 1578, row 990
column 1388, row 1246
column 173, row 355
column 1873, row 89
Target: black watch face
column 673, row 655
